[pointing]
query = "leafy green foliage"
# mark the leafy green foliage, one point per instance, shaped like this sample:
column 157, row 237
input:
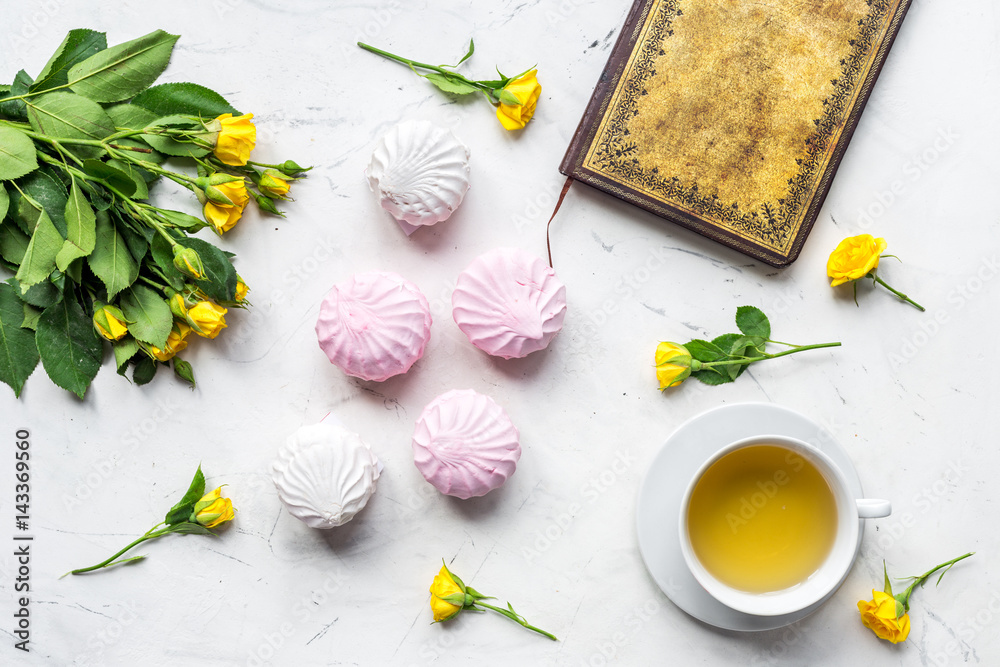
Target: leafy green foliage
column 17, row 154
column 64, row 115
column 451, row 84
column 702, row 350
column 123, row 71
column 110, row 261
column 40, row 257
column 78, row 45
column 81, row 229
column 18, row 354
column 149, row 315
column 68, row 345
column 191, row 99
column 753, row 322
column 220, row 276
column 180, row 512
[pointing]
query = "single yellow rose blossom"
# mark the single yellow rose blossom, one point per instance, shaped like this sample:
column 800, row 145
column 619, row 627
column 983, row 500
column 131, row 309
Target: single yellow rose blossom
column 110, row 322
column 858, row 257
column 212, row 510
column 450, row 595
column 237, row 137
column 209, row 317
column 175, row 342
column 222, row 216
column 444, row 586
column 673, row 364
column 274, row 183
column 886, row 615
column 527, row 90
column 241, row 290
column 879, row 616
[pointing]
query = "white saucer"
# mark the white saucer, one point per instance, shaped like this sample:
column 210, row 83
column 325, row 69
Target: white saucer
column 672, row 468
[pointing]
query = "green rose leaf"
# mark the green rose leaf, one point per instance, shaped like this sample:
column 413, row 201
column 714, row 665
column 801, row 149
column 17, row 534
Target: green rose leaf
column 4, row 202
column 181, row 220
column 182, row 510
column 753, row 322
column 191, row 529
column 17, row 154
column 711, row 376
column 18, row 354
column 163, row 256
column 144, row 371
column 170, row 146
column 149, row 315
column 725, row 341
column 450, row 84
column 44, row 190
column 137, row 176
column 13, row 243
column 16, row 110
column 78, row 45
column 110, row 261
column 124, row 349
column 130, row 117
column 81, row 227
column 68, row 345
column 220, row 276
column 468, row 54
column 40, row 257
column 110, row 175
column 704, row 351
column 184, row 98
column 67, row 116
column 123, row 71
column 31, row 315
column 41, row 295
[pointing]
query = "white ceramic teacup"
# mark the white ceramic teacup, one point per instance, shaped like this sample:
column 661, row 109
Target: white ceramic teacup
column 833, row 569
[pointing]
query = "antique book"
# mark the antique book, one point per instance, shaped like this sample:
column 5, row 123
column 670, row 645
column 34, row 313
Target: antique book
column 731, row 118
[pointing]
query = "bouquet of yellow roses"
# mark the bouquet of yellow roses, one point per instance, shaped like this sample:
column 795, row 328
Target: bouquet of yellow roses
column 93, row 262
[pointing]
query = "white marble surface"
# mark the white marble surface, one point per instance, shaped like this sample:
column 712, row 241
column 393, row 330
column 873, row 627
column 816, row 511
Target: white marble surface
column 911, row 400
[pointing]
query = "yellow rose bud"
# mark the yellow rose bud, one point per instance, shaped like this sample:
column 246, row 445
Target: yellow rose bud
column 444, row 586
column 223, row 216
column 175, row 342
column 673, row 364
column 110, row 322
column 274, row 183
column 212, row 510
column 527, row 90
column 237, row 138
column 241, row 290
column 188, row 262
column 209, row 317
column 854, row 258
column 881, row 616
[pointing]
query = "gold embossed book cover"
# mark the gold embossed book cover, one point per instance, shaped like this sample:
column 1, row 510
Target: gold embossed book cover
column 730, row 117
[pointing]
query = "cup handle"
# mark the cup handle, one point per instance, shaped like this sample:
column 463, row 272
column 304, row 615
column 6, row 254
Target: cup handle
column 871, row 508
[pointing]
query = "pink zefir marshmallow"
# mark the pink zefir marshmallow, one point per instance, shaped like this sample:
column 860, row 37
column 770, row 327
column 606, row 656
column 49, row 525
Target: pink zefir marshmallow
column 465, row 444
column 374, row 326
column 509, row 303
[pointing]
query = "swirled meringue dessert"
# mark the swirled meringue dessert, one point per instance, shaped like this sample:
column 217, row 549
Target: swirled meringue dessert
column 465, row 444
column 325, row 475
column 509, row 303
column 374, row 326
column 420, row 172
